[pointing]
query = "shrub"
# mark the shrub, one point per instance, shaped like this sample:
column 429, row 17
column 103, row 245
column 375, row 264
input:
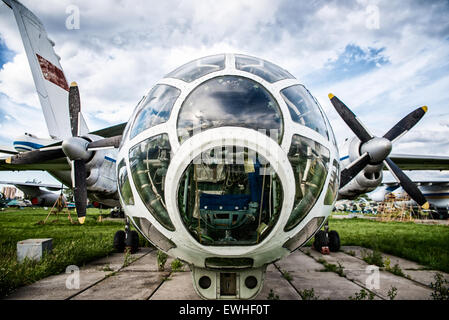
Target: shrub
column 440, row 288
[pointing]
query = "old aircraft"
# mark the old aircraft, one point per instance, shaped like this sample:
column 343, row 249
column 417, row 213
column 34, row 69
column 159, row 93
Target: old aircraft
column 228, row 163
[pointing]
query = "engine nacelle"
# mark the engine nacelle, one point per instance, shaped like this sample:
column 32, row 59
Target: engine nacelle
column 367, row 180
column 101, row 168
column 47, row 199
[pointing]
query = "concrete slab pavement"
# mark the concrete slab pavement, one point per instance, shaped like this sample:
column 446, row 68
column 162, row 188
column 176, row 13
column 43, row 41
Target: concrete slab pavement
column 413, row 270
column 54, row 287
column 117, row 286
column 361, row 273
column 307, row 274
column 178, row 286
column 280, row 286
column 139, row 278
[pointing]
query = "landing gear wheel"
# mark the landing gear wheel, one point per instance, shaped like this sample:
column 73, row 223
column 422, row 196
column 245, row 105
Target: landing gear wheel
column 132, row 241
column 117, row 213
column 320, row 240
column 334, row 241
column 119, row 241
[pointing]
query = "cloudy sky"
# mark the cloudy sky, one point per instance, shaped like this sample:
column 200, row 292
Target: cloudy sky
column 382, row 58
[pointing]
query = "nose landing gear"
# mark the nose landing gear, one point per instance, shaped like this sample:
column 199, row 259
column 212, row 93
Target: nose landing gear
column 327, row 241
column 128, row 239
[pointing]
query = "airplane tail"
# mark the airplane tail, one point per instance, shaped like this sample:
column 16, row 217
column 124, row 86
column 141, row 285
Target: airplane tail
column 51, row 84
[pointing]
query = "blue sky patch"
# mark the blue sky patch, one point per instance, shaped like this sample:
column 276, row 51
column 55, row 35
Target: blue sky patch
column 6, row 55
column 354, row 61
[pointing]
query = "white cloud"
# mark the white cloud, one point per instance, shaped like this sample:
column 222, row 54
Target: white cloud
column 123, row 48
column 15, row 81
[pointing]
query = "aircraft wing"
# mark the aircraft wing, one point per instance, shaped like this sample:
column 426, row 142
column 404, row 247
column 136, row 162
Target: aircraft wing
column 420, row 183
column 52, row 165
column 53, row 187
column 112, row 131
column 38, row 159
column 8, row 150
column 420, row 162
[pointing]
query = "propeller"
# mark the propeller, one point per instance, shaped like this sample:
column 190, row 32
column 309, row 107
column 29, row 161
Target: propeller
column 77, row 149
column 375, row 150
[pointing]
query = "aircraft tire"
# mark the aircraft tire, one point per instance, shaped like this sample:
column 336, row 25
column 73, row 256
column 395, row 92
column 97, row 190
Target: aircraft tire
column 320, row 240
column 135, row 241
column 442, row 213
column 132, row 241
column 119, row 241
column 334, row 241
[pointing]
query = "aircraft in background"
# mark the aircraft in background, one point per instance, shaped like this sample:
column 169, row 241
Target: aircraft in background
column 35, row 192
column 371, row 176
column 229, row 163
column 380, row 192
column 435, row 191
column 26, row 142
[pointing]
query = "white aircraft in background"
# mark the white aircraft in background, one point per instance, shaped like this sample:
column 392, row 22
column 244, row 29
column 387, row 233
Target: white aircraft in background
column 34, row 191
column 228, row 163
column 435, row 191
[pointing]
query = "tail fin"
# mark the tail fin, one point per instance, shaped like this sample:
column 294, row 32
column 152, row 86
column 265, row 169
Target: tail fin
column 51, row 84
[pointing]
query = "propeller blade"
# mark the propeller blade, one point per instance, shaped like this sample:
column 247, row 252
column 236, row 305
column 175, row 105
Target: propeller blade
column 35, row 156
column 405, row 124
column 80, row 190
column 112, row 142
column 351, row 120
column 353, row 169
column 407, row 184
column 74, row 108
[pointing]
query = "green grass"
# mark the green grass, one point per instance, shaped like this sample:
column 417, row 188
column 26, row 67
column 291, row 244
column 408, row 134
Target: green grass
column 424, row 244
column 176, row 265
column 286, row 275
column 374, row 257
column 79, row 244
column 72, row 244
column 330, row 267
column 307, row 294
column 362, row 295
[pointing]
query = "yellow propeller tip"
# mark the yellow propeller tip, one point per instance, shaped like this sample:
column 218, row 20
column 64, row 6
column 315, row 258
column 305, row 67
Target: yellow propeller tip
column 425, row 108
column 81, row 220
column 330, row 95
column 425, row 206
column 74, row 84
column 8, row 160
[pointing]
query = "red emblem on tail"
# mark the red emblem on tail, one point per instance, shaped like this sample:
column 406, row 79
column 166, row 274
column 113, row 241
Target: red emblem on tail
column 52, row 73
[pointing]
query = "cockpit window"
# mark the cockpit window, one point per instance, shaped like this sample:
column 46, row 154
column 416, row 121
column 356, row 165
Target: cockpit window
column 310, row 163
column 262, row 68
column 230, row 203
column 149, row 161
column 332, row 190
column 331, row 132
column 303, row 109
column 155, row 109
column 198, row 68
column 130, row 122
column 230, row 101
column 123, row 183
